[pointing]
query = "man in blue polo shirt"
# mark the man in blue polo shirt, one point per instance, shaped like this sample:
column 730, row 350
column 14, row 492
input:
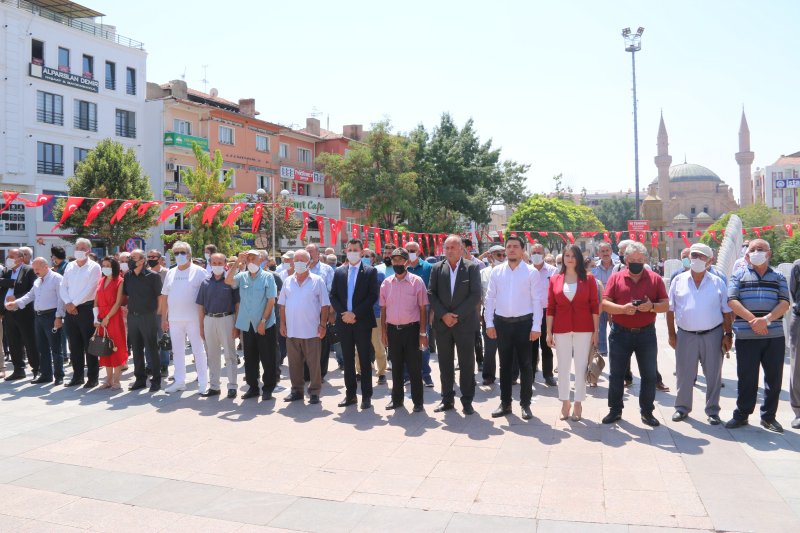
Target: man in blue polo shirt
column 758, row 296
column 422, row 269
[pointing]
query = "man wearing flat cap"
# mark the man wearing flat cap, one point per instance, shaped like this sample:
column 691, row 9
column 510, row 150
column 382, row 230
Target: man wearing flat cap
column 698, row 303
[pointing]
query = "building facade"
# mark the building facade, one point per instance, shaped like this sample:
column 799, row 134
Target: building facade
column 777, row 185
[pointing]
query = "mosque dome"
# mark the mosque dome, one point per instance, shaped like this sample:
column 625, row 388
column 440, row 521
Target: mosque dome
column 691, row 172
column 681, row 217
column 703, row 216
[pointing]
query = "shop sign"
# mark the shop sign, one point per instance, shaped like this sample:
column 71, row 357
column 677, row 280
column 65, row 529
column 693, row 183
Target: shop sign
column 302, row 175
column 64, row 78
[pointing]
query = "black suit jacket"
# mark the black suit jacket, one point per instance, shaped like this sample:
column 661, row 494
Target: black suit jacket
column 464, row 300
column 365, row 295
column 22, row 285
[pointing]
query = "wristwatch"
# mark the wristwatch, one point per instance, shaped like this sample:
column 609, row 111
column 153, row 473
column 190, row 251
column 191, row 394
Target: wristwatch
column 263, row 320
column 769, row 322
column 728, row 334
column 423, row 334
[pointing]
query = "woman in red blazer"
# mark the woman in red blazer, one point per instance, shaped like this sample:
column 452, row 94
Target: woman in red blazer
column 573, row 315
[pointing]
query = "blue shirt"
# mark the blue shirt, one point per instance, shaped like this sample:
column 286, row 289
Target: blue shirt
column 759, row 295
column 423, row 270
column 324, row 271
column 216, row 296
column 377, row 306
column 253, row 296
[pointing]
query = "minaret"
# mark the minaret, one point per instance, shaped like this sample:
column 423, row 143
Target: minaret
column 663, row 161
column 744, row 157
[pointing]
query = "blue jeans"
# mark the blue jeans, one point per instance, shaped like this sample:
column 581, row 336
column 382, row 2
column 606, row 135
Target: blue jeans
column 602, row 339
column 337, row 350
column 163, row 354
column 49, row 344
column 623, row 344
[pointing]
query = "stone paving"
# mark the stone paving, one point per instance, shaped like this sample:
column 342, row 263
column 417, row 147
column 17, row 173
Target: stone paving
column 72, row 460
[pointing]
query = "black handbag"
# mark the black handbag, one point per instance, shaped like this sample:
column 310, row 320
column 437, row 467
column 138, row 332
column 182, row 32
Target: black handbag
column 165, row 342
column 101, row 346
column 333, row 334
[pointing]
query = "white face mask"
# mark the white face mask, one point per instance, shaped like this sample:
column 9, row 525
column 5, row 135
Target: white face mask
column 253, row 267
column 354, row 257
column 80, row 255
column 758, row 258
column 218, row 270
column 181, row 260
column 412, row 256
column 537, row 259
column 11, row 263
column 698, row 265
column 123, row 266
column 208, row 256
column 107, row 271
column 300, row 267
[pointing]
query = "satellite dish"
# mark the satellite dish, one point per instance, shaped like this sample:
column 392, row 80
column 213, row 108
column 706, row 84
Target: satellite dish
column 214, row 93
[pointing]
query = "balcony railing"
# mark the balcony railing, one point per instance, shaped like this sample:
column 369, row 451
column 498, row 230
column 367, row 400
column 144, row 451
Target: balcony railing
column 77, row 24
column 49, row 117
column 111, row 84
column 50, row 167
column 126, row 131
column 84, row 123
column 130, row 88
column 296, row 163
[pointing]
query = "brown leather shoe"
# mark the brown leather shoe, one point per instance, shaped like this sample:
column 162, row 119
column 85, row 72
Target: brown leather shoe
column 660, row 386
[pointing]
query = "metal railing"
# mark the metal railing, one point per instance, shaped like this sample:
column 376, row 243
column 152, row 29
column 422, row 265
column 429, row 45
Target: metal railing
column 85, row 123
column 50, row 167
column 111, row 84
column 126, row 131
column 77, row 24
column 130, row 88
column 49, row 117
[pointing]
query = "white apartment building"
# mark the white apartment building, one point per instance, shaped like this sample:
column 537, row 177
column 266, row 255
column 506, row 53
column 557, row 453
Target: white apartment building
column 778, row 184
column 69, row 83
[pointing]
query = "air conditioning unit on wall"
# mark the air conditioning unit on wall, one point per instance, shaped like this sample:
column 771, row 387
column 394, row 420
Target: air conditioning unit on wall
column 171, row 167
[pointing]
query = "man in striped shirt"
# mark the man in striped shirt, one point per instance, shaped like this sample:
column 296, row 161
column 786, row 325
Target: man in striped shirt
column 758, row 296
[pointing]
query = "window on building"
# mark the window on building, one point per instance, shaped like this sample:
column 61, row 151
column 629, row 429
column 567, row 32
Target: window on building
column 349, row 224
column 304, row 155
column 226, row 135
column 50, row 159
column 63, row 59
column 130, row 81
column 705, row 209
column 284, row 151
column 88, row 66
column 85, row 115
column 693, row 210
column 346, row 152
column 111, row 76
column 262, row 143
column 37, row 52
column 49, row 108
column 264, row 182
column 286, row 186
column 184, row 127
column 79, row 154
column 126, row 124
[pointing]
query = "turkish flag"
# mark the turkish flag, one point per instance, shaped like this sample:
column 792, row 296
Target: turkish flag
column 588, row 233
column 334, row 224
column 531, row 239
column 258, row 212
column 788, row 227
column 235, row 212
column 698, row 233
column 210, row 212
column 428, row 243
column 289, row 211
column 394, row 238
column 744, row 232
column 366, row 236
column 96, row 209
column 321, row 227
column 169, row 211
column 757, row 231
column 502, row 241
column 571, row 237
column 127, row 204
column 387, row 236
column 632, row 235
column 69, row 208
column 713, row 234
column 404, row 239
column 197, row 207
column 355, row 231
column 40, row 200
column 562, row 237
column 670, row 234
column 340, row 225
column 685, row 240
column 377, row 234
column 305, row 226
column 9, row 197
column 514, row 233
column 618, row 234
column 767, row 228
column 606, row 237
column 654, row 237
column 145, row 206
column 642, row 236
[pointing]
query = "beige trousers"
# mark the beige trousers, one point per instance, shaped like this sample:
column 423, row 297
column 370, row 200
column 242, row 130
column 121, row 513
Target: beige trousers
column 380, row 353
column 306, row 351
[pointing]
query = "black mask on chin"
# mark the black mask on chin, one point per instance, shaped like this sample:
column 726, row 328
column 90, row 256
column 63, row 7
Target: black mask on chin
column 132, row 264
column 636, row 268
column 387, row 261
column 152, row 262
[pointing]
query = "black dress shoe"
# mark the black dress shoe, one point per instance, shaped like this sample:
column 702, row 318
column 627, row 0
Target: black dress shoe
column 136, row 385
column 358, row 377
column 348, row 401
column 148, row 371
column 266, row 396
column 164, row 372
column 92, row 383
column 40, row 379
column 650, row 420
column 772, row 425
column 231, row 394
column 551, row 381
column 612, row 417
column 480, row 367
column 503, row 410
column 714, row 420
column 443, row 407
column 366, row 404
column 210, row 392
column 154, row 387
column 734, row 423
column 394, row 405
column 58, row 381
column 468, row 409
column 314, row 398
column 488, row 381
column 15, row 375
column 251, row 393
column 381, row 380
column 526, row 412
column 293, row 397
column 419, row 408
column 679, row 415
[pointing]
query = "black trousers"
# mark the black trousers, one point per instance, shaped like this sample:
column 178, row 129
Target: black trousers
column 489, row 357
column 766, row 353
column 449, row 341
column 547, row 352
column 324, row 356
column 260, row 349
column 80, row 329
column 405, row 354
column 21, row 333
column 478, row 346
column 356, row 340
column 514, row 337
column 143, row 331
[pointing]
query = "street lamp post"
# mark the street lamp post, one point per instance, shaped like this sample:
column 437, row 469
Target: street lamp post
column 262, row 192
column 633, row 44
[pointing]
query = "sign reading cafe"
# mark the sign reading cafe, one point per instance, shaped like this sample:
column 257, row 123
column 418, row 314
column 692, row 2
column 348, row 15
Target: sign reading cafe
column 302, row 175
column 64, row 78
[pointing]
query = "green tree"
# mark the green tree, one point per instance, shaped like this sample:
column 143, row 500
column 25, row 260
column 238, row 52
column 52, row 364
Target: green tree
column 108, row 171
column 615, row 212
column 284, row 229
column 539, row 213
column 789, row 250
column 755, row 215
column 377, row 175
column 559, row 190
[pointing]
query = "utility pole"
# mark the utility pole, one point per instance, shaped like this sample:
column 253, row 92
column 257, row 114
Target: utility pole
column 633, row 44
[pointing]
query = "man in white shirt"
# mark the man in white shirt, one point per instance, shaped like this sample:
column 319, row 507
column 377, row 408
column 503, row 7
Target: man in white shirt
column 17, row 280
column 698, row 303
column 513, row 316
column 78, row 289
column 180, row 316
column 497, row 256
column 49, row 313
column 27, row 255
column 545, row 272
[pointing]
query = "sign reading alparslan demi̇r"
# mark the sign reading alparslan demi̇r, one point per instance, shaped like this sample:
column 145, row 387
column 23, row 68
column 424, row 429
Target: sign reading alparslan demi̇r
column 64, row 78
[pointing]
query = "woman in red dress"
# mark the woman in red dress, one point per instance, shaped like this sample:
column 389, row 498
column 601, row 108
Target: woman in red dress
column 107, row 316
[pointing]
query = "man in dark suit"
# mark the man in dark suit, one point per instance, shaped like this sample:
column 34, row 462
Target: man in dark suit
column 354, row 291
column 454, row 292
column 17, row 281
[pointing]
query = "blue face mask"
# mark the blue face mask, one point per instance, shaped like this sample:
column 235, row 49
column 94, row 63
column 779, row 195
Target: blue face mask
column 365, row 260
column 687, row 263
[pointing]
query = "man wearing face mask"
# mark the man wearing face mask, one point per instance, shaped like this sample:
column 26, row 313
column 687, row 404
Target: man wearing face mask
column 602, row 272
column 322, row 269
column 423, row 269
column 179, row 316
column 354, row 291
column 742, row 261
column 18, row 280
column 218, row 302
column 78, row 288
column 545, row 272
column 698, row 303
column 759, row 297
column 256, row 322
column 142, row 286
column 497, row 256
column 208, row 251
column 154, row 263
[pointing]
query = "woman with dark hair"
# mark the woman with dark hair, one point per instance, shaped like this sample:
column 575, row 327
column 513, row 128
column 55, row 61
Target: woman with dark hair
column 573, row 315
column 108, row 320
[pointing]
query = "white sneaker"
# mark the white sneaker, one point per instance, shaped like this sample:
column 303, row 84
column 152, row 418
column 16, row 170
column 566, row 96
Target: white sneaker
column 203, row 388
column 175, row 387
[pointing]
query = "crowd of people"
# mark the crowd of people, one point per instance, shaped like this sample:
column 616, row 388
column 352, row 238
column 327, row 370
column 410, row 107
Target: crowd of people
column 387, row 312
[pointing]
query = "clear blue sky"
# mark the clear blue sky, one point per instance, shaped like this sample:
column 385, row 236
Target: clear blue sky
column 550, row 82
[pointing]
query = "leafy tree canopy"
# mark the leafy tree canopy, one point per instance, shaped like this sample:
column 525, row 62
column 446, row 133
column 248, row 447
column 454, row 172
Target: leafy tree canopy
column 754, row 215
column 615, row 212
column 539, row 213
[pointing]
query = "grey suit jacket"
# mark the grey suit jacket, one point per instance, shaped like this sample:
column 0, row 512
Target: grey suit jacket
column 464, row 299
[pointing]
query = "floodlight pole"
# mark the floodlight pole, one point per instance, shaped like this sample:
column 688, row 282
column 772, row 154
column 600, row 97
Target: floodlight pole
column 633, row 44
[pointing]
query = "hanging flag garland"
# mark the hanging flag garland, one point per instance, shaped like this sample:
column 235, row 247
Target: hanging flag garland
column 69, row 208
column 145, row 206
column 8, row 197
column 208, row 214
column 305, row 225
column 233, row 215
column 197, row 207
column 40, row 200
column 127, row 204
column 96, row 209
column 258, row 211
column 169, row 211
